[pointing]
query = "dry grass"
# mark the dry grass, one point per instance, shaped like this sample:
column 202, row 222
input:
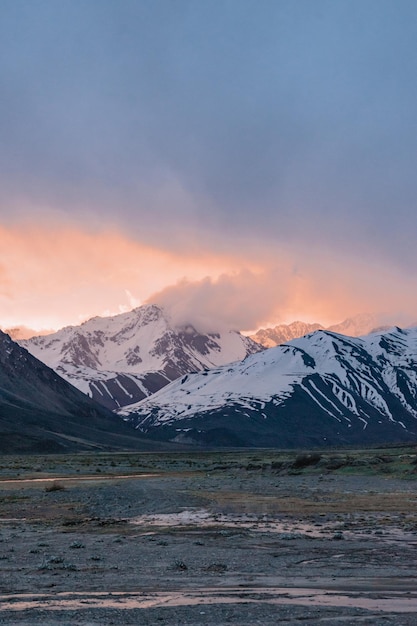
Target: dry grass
column 252, row 503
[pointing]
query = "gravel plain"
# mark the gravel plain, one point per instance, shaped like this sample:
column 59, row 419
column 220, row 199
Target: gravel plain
column 260, row 537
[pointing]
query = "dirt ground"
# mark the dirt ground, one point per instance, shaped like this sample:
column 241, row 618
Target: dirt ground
column 209, row 538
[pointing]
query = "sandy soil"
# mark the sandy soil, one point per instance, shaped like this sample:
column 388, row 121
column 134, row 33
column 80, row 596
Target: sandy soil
column 205, row 539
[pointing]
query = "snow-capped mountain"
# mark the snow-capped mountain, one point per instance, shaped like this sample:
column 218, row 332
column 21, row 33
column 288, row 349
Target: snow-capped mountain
column 356, row 326
column 39, row 411
column 121, row 359
column 282, row 333
column 321, row 389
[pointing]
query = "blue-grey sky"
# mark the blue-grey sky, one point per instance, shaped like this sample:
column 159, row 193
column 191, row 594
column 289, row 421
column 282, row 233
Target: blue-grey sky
column 273, row 127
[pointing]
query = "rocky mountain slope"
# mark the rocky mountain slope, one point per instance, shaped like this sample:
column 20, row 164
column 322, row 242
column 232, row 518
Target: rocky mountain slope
column 321, row 389
column 122, row 359
column 41, row 412
column 356, row 326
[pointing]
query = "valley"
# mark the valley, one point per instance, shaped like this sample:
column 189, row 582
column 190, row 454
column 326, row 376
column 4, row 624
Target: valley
column 244, row 537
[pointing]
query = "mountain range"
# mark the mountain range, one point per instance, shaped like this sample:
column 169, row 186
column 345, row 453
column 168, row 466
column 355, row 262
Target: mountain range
column 356, row 326
column 175, row 384
column 122, row 359
column 321, row 389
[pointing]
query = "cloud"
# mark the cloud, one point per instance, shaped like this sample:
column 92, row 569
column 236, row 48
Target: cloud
column 23, row 332
column 237, row 301
column 207, row 150
column 194, row 122
column 310, row 285
column 60, row 274
column 4, row 282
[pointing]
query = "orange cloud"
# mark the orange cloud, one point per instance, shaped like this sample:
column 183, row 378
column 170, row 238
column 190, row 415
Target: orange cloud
column 240, row 300
column 60, row 275
column 56, row 274
column 307, row 284
column 4, row 282
column 23, row 332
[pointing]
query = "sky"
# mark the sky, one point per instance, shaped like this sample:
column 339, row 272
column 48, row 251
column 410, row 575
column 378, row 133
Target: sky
column 243, row 163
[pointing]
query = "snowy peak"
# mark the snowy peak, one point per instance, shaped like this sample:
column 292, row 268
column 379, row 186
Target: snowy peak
column 121, row 359
column 271, row 337
column 356, row 326
column 321, row 388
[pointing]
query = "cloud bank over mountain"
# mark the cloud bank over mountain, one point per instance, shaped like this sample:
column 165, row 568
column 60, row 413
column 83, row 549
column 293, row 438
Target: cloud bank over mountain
column 274, row 139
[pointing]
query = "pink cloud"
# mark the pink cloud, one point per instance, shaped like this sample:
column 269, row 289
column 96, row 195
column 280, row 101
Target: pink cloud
column 57, row 274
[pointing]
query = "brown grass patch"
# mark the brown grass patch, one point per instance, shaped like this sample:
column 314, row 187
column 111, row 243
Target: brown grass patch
column 251, row 503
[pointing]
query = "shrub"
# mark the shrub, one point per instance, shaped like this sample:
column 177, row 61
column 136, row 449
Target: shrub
column 54, row 486
column 304, row 460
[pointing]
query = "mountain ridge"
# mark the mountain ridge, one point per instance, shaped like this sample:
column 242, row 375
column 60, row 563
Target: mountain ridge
column 321, row 389
column 356, row 326
column 121, row 359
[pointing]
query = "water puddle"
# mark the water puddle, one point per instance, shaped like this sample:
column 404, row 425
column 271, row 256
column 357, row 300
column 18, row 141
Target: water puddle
column 72, row 479
column 203, row 519
column 391, row 602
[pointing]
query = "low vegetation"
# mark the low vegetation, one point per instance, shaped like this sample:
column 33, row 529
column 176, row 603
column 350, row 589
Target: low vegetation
column 400, row 462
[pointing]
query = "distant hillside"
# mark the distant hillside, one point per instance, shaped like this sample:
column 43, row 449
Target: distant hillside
column 41, row 412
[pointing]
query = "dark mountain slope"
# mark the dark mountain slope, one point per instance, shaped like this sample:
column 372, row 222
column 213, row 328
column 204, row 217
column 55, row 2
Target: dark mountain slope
column 41, row 412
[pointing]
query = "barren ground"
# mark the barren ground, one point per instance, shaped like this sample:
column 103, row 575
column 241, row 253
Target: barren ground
column 257, row 537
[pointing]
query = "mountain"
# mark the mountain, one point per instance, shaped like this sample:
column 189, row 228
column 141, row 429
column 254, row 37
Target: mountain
column 122, row 359
column 356, row 326
column 271, row 337
column 321, row 389
column 41, row 412
column 361, row 324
